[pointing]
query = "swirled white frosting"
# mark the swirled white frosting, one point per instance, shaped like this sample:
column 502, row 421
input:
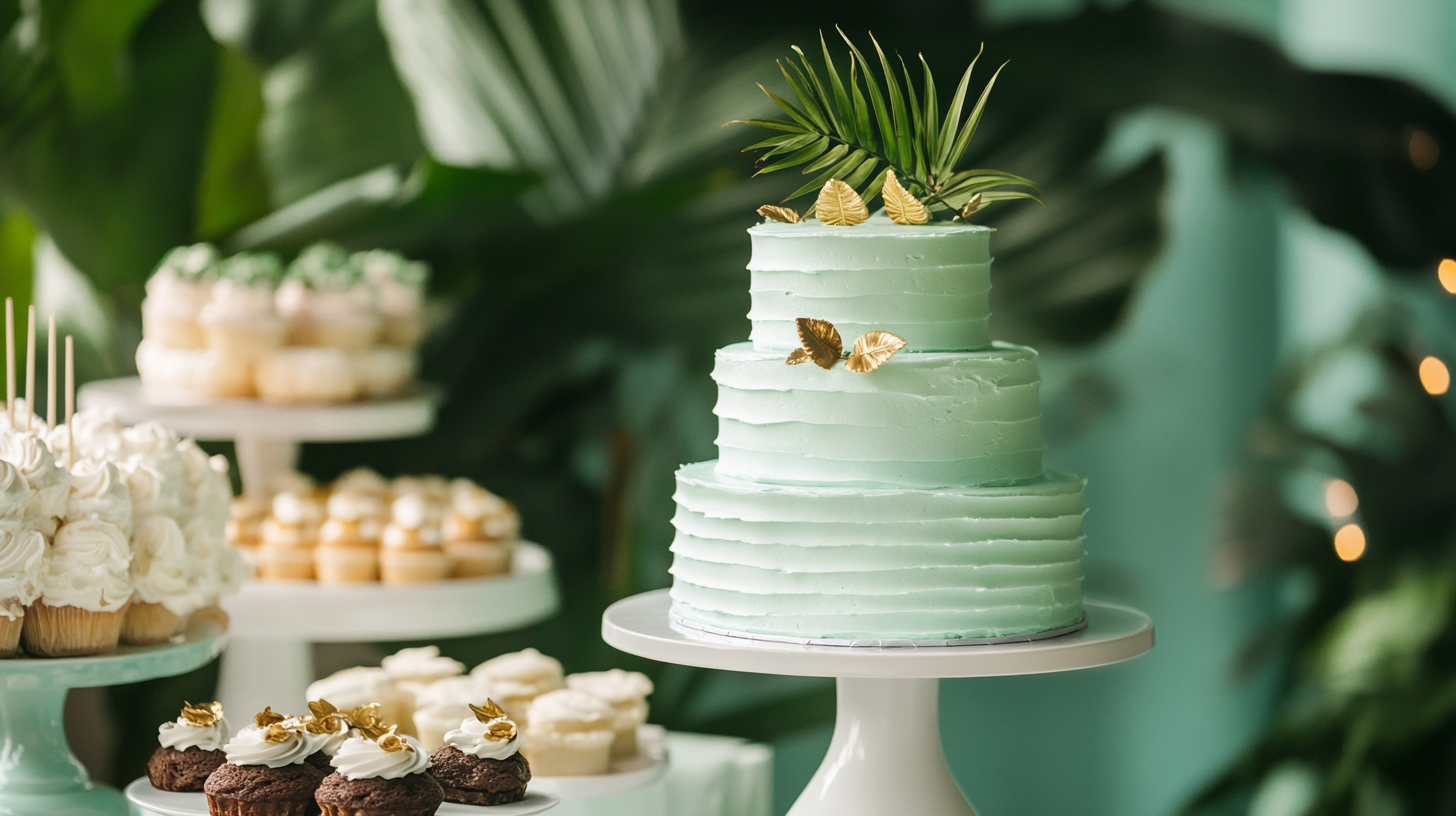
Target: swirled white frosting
column 37, row 426
column 473, row 737
column 452, row 696
column 250, row 747
column 14, row 493
column 297, row 509
column 205, row 552
column 354, row 687
column 523, row 673
column 181, row 735
column 97, row 432
column 352, row 505
column 424, row 665
column 22, row 563
column 151, row 495
column 88, row 567
column 98, row 491
column 49, row 484
column 615, row 685
column 362, row 758
column 161, row 567
column 570, row 710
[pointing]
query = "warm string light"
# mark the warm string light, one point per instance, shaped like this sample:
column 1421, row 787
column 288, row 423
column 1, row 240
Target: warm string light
column 1435, row 377
column 1446, row 273
column 1423, row 150
column 1340, row 498
column 1350, row 542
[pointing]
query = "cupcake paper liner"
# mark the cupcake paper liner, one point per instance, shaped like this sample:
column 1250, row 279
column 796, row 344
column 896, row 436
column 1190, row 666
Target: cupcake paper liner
column 10, row 635
column 148, row 623
column 69, row 631
column 226, row 806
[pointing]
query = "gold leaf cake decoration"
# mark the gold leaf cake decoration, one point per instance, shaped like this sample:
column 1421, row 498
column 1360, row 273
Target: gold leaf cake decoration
column 900, row 205
column 392, row 742
column 839, row 205
column 820, row 341
column 783, row 215
column 324, row 719
column 489, row 711
column 202, row 715
column 276, row 734
column 871, row 351
column 970, row 207
column 267, row 717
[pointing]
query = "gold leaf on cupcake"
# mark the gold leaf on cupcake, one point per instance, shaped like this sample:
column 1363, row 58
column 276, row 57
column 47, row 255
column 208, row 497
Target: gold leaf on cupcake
column 797, row 356
column 202, row 715
column 393, row 743
column 902, row 207
column 366, row 719
column 267, row 717
column 500, row 731
column 489, row 711
column 324, row 719
column 871, row 351
column 276, row 734
column 820, row 340
column 783, row 215
column 839, row 205
column 970, row 207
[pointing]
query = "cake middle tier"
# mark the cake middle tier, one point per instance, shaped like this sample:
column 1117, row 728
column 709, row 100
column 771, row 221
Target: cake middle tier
column 951, row 419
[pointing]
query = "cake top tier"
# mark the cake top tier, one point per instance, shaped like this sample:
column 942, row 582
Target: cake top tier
column 878, row 243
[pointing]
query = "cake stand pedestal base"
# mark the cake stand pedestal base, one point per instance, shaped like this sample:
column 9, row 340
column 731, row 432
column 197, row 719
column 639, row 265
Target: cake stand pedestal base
column 886, row 744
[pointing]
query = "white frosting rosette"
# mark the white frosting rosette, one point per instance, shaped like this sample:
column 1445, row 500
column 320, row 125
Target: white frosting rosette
column 22, row 564
column 273, row 746
column 422, row 665
column 49, row 484
column 491, row 738
column 205, row 550
column 161, row 568
column 88, row 567
column 390, row 757
column 153, row 444
column 571, row 710
column 14, row 494
column 354, row 687
column 37, row 426
column 524, row 672
column 201, row 727
column 151, row 495
column 98, row 434
column 98, row 491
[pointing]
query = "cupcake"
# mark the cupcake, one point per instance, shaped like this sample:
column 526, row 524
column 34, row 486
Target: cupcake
column 440, row 706
column 626, row 692
column 22, row 558
column 399, row 285
column 518, row 678
column 570, row 734
column 244, row 528
column 480, row 762
column 84, row 592
column 363, row 480
column 362, row 686
column 411, row 551
column 479, row 529
column 289, row 536
column 327, row 302
column 434, row 490
column 266, row 773
column 151, row 444
column 380, row 775
column 415, row 669
column 50, row 485
column 175, row 295
column 36, row 423
column 240, row 318
column 348, row 545
column 191, row 749
column 165, row 580
column 306, row 376
column 382, row 371
column 329, row 727
column 98, row 491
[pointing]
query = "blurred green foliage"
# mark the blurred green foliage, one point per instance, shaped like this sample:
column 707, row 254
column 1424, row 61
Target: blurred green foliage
column 563, row 168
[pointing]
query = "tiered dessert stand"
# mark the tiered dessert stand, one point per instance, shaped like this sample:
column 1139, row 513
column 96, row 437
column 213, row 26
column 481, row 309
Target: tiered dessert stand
column 39, row 776
column 885, row 756
column 275, row 623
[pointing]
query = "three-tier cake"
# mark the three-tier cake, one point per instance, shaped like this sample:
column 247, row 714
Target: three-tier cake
column 905, row 503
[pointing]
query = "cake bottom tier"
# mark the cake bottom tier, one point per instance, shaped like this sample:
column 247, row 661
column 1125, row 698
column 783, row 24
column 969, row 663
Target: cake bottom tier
column 863, row 563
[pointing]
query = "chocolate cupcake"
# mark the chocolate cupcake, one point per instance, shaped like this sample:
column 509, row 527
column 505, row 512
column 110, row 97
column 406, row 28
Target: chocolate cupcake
column 266, row 773
column 191, row 749
column 380, row 775
column 480, row 763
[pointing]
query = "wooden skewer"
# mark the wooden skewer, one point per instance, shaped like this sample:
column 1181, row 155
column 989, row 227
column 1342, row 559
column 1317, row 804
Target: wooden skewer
column 70, row 404
column 51, row 374
column 10, row 359
column 29, row 367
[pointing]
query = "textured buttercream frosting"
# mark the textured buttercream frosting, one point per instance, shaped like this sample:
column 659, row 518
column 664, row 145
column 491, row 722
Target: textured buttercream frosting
column 919, row 420
column 928, row 284
column 826, row 562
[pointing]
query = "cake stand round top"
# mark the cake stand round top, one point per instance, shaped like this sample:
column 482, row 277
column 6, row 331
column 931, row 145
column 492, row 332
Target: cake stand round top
column 397, row 418
column 128, row 664
column 539, row 797
column 308, row 611
column 640, row 625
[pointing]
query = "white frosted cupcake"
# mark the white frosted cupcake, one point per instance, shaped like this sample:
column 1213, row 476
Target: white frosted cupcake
column 176, row 293
column 517, row 678
column 480, row 529
column 84, row 592
column 411, row 550
column 37, row 423
column 290, row 534
column 327, row 302
column 626, row 692
column 240, row 317
column 399, row 286
column 98, row 491
column 382, row 371
column 348, row 547
column 152, row 443
column 98, row 435
column 569, row 733
column 50, row 485
column 371, row 769
column 361, row 686
column 364, row 480
column 22, row 558
column 297, row 375
column 441, row 705
column 415, row 669
column 163, row 575
column 244, row 529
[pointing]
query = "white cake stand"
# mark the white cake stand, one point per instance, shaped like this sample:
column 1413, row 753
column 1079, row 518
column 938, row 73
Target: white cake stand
column 885, row 756
column 539, row 797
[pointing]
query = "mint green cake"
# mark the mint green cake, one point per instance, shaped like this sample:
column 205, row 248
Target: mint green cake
column 906, row 503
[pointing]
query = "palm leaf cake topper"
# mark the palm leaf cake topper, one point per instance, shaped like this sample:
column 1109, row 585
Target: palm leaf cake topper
column 856, row 141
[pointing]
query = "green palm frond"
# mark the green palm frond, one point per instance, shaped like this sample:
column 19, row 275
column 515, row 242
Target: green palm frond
column 842, row 131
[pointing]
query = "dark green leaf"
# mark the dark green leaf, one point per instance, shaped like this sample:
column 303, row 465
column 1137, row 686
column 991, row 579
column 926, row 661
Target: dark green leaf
column 820, row 94
column 874, row 187
column 964, row 139
column 806, row 96
column 859, row 174
column 861, row 108
column 830, row 158
column 793, row 143
column 772, row 141
column 798, row 157
column 787, row 108
column 770, row 124
column 948, row 129
column 929, row 128
column 903, row 123
column 882, row 111
column 841, row 99
column 837, row 171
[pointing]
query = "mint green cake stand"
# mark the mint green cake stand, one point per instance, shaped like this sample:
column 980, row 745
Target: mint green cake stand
column 39, row 776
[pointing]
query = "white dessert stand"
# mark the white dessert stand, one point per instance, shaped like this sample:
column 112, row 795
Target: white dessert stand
column 539, row 798
column 623, row 775
column 275, row 623
column 39, row 776
column 885, row 756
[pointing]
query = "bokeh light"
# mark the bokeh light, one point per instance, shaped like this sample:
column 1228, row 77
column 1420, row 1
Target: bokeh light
column 1350, row 542
column 1423, row 150
column 1435, row 377
column 1340, row 498
column 1446, row 272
